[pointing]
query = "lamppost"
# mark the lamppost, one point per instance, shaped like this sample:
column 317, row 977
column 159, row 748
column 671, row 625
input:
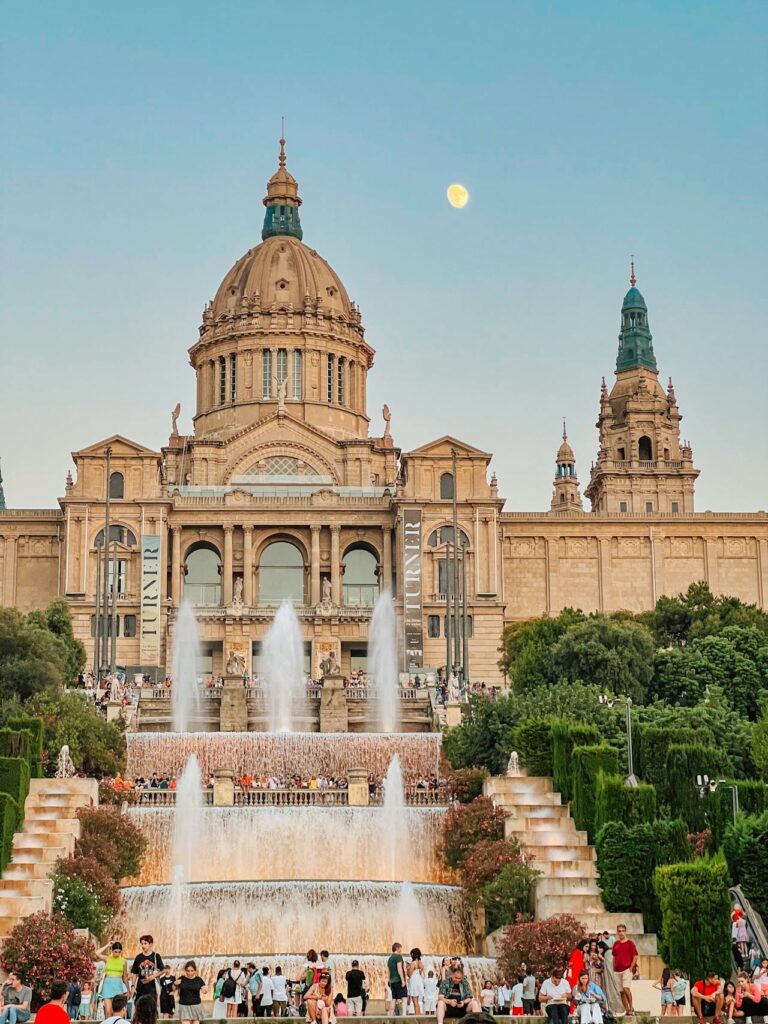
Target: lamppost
column 609, row 700
column 706, row 785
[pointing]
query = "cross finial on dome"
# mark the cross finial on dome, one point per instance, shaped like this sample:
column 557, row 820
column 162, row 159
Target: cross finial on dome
column 632, row 278
column 565, row 435
column 281, row 160
column 603, row 389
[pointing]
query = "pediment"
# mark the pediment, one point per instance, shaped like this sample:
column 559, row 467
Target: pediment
column 121, row 446
column 281, row 435
column 441, row 448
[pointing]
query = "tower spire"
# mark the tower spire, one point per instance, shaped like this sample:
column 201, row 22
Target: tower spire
column 632, row 278
column 282, row 200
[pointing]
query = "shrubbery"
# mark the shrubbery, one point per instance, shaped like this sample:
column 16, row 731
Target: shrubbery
column 96, row 747
column 497, row 876
column 33, row 726
column 14, row 780
column 542, row 945
column 43, row 947
column 532, row 739
column 74, row 899
column 468, row 824
column 616, row 801
column 684, row 762
column 565, row 736
column 112, row 839
column 695, row 916
column 96, row 876
column 587, row 763
column 467, row 783
column 746, row 850
column 9, row 815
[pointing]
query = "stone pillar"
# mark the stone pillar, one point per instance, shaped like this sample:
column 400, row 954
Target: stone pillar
column 713, row 576
column 335, row 566
column 234, row 706
column 453, row 714
column 357, row 787
column 9, row 567
column 386, row 565
column 176, row 567
column 314, row 568
column 223, row 787
column 114, row 711
column 333, row 705
column 227, row 569
column 248, row 566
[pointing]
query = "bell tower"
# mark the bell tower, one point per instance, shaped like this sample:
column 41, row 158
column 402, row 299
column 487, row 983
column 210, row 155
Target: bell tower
column 566, row 496
column 642, row 466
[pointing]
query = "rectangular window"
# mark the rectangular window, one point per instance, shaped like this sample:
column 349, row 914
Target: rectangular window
column 233, row 377
column 675, row 506
column 297, row 375
column 340, row 398
column 649, row 506
column 129, row 625
column 222, row 380
column 330, row 381
column 622, row 506
column 433, row 626
column 266, row 373
column 445, row 572
column 122, row 565
column 282, row 365
column 109, row 625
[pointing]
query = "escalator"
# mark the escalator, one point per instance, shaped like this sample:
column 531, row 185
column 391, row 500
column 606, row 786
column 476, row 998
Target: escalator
column 755, row 925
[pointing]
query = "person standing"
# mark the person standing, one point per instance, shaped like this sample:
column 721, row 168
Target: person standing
column 516, row 1001
column 279, row 993
column 355, row 979
column 115, row 981
column 267, row 990
column 397, row 982
column 167, row 982
column 555, row 996
column 54, row 1012
column 529, row 993
column 191, row 988
column 327, row 964
column 416, row 981
column 146, row 969
column 253, row 984
column 74, row 998
column 430, row 993
column 624, row 953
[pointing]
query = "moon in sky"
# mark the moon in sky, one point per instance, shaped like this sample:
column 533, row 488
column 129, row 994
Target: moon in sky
column 458, row 196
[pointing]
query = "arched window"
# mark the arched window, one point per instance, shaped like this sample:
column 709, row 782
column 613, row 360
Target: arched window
column 297, row 375
column 282, row 364
column 266, row 373
column 330, row 380
column 361, row 581
column 645, row 449
column 446, row 486
column 202, row 575
column 118, row 533
column 116, row 485
column 445, row 536
column 281, row 574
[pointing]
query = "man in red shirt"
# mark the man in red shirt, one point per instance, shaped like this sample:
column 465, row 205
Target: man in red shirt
column 54, row 1012
column 707, row 998
column 624, row 966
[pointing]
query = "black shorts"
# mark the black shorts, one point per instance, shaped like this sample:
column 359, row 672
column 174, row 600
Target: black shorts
column 680, row 1001
column 529, row 1007
column 707, row 1008
column 401, row 992
column 455, row 1011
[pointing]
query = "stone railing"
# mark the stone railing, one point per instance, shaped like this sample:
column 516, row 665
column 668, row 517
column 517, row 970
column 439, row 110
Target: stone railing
column 372, row 693
column 162, row 797
column 291, row 798
column 256, row 691
column 326, row 797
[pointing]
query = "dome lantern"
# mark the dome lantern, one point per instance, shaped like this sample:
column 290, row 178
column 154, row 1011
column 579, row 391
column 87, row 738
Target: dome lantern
column 282, row 202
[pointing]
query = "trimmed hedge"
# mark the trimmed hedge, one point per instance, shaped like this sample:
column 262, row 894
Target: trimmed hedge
column 684, row 762
column 34, row 726
column 718, row 806
column 9, row 815
column 587, row 763
column 532, row 739
column 746, row 850
column 651, row 746
column 14, row 743
column 14, row 780
column 615, row 801
column 626, row 858
column 565, row 736
column 695, row 916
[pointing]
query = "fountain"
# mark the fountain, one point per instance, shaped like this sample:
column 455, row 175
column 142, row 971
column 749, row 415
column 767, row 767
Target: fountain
column 394, row 835
column 185, row 699
column 382, row 661
column 189, row 802
column 282, row 667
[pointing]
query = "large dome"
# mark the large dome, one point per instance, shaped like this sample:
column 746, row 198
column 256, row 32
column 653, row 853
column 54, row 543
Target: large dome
column 281, row 272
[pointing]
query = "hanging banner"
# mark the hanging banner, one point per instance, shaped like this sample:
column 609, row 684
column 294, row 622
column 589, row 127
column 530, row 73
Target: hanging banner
column 413, row 598
column 149, row 650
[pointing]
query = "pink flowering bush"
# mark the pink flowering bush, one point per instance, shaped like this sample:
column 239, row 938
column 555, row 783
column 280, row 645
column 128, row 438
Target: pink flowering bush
column 468, row 824
column 43, row 947
column 498, row 876
column 542, row 945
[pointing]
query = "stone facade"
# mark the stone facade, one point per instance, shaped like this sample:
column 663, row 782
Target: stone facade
column 284, row 490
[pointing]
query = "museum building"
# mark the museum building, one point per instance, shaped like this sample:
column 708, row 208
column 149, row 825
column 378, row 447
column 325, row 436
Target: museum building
column 283, row 492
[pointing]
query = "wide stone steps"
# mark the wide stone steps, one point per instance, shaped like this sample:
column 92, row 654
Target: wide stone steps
column 50, row 831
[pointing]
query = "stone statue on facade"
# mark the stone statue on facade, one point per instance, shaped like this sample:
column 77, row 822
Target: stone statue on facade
column 175, row 420
column 237, row 596
column 387, row 421
column 329, row 666
column 235, row 664
column 325, row 592
column 282, row 393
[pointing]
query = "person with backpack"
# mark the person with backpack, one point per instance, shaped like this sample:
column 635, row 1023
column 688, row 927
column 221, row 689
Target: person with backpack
column 232, row 991
column 74, row 998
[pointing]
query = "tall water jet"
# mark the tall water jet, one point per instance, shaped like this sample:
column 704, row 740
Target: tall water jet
column 186, row 822
column 382, row 661
column 282, row 667
column 395, row 839
column 185, row 699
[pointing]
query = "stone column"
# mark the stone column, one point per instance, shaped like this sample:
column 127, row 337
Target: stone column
column 335, row 566
column 357, row 787
column 386, row 566
column 314, row 586
column 248, row 566
column 227, row 581
column 713, row 576
column 223, row 787
column 176, row 567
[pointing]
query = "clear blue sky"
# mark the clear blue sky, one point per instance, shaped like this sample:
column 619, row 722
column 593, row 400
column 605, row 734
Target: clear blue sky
column 138, row 139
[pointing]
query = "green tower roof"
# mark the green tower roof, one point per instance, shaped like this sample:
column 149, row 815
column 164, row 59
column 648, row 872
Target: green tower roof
column 282, row 202
column 633, row 299
column 635, row 338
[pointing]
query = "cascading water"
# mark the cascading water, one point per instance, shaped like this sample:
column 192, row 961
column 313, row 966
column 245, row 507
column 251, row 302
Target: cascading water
column 185, row 699
column 189, row 802
column 395, row 837
column 382, row 661
column 282, row 666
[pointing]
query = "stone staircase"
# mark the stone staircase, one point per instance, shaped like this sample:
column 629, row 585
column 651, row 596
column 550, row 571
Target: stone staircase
column 568, row 881
column 49, row 832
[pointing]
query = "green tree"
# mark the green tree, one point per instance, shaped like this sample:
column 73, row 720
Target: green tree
column 32, row 659
column 760, row 746
column 746, row 849
column 97, row 747
column 614, row 655
column 527, row 648
column 484, row 738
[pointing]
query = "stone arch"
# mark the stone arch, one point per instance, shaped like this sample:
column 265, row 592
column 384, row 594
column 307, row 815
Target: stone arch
column 241, row 463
